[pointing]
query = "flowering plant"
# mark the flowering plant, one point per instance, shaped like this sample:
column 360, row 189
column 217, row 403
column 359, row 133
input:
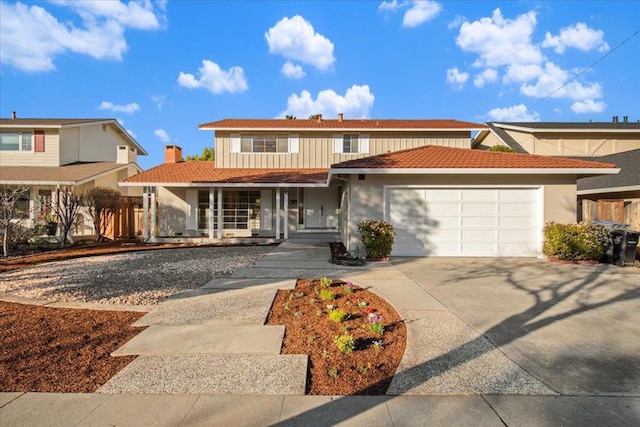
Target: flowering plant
column 375, row 323
column 377, row 237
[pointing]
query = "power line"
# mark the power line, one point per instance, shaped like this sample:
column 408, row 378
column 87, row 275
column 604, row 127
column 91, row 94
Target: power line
column 584, row 70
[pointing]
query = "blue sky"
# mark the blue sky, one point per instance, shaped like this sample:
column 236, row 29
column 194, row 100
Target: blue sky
column 164, row 67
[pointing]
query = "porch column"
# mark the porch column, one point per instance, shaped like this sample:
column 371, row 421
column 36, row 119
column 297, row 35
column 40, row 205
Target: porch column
column 286, row 213
column 153, row 213
column 277, row 212
column 145, row 214
column 212, row 197
column 220, row 213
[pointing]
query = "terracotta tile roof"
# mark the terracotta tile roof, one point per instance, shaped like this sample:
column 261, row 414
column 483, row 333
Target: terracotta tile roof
column 194, row 172
column 67, row 174
column 437, row 157
column 369, row 124
column 48, row 121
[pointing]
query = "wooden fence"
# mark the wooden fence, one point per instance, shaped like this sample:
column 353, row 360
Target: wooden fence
column 619, row 211
column 126, row 221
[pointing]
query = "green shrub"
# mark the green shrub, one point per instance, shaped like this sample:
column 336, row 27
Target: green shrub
column 502, row 149
column 327, row 295
column 377, row 237
column 574, row 242
column 346, row 343
column 337, row 315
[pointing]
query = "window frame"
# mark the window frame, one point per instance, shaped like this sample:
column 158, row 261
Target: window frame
column 351, row 137
column 260, row 144
column 21, row 142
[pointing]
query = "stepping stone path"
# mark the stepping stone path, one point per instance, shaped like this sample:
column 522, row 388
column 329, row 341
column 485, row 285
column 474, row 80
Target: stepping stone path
column 212, row 341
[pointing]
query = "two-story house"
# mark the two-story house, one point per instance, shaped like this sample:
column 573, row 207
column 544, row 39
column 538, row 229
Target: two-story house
column 608, row 197
column 290, row 178
column 51, row 155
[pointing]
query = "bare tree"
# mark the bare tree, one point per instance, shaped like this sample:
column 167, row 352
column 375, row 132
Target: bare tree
column 102, row 203
column 10, row 216
column 66, row 208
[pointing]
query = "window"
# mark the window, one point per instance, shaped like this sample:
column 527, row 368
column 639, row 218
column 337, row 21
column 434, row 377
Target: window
column 350, row 144
column 16, row 141
column 264, row 144
column 241, row 210
column 203, row 210
column 44, row 202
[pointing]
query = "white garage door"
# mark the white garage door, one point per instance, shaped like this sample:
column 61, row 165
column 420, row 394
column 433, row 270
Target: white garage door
column 463, row 221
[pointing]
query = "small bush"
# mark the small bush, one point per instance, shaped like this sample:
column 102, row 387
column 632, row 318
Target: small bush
column 327, row 295
column 346, row 343
column 377, row 237
column 502, row 149
column 337, row 315
column 575, row 242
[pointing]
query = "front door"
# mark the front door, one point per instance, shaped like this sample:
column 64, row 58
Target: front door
column 321, row 207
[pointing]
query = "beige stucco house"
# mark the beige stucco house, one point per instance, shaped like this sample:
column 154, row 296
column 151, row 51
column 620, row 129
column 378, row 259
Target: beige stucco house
column 298, row 179
column 51, row 155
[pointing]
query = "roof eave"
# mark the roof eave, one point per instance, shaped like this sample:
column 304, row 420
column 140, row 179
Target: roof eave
column 340, row 129
column 608, row 190
column 476, row 171
column 563, row 130
column 222, row 184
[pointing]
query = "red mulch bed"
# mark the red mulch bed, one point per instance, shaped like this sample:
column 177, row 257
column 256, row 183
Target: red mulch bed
column 47, row 349
column 368, row 369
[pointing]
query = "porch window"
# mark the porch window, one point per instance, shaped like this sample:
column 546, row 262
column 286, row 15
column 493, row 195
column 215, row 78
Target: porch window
column 241, row 210
column 203, row 210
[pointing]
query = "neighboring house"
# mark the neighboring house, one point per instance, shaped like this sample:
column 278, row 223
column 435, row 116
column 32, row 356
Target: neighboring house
column 289, row 178
column 567, row 139
column 51, row 155
column 616, row 142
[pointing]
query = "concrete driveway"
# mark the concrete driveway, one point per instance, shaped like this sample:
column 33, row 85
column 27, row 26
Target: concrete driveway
column 575, row 328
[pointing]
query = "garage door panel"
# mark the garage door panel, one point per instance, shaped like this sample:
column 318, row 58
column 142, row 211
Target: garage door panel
column 464, row 221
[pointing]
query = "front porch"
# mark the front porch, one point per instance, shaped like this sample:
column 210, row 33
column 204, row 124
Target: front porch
column 226, row 214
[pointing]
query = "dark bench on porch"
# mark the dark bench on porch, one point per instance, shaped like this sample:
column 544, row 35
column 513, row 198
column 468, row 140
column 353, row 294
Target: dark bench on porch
column 340, row 255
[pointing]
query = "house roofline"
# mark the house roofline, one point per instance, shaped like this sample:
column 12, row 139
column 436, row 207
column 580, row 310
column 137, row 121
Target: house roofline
column 475, row 171
column 341, row 129
column 564, row 130
column 608, row 190
column 223, row 184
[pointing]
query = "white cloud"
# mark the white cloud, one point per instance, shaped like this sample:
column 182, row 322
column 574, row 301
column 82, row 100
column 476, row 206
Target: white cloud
column 522, row 73
column 214, row 79
column 588, row 106
column 100, row 33
column 552, row 77
column 579, row 36
column 356, row 103
column 455, row 78
column 418, row 12
column 515, row 113
column 127, row 108
column 162, row 135
column 293, row 71
column 295, row 39
column 487, row 76
column 457, row 21
column 501, row 41
column 158, row 100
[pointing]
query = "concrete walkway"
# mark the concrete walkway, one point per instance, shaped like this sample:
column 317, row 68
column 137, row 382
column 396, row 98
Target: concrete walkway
column 454, row 371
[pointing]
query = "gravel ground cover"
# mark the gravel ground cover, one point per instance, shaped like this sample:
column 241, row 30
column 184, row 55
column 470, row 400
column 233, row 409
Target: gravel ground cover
column 134, row 278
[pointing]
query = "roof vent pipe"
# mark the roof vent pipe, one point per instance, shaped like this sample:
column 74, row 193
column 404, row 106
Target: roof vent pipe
column 625, row 119
column 615, row 119
column 13, row 115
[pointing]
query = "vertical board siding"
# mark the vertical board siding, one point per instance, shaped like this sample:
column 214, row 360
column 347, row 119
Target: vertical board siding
column 316, row 149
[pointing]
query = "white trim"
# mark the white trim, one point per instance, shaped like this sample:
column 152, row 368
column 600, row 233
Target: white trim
column 471, row 171
column 609, row 190
column 212, row 201
column 236, row 140
column 363, row 144
column 277, row 212
column 285, row 203
column 338, row 143
column 220, row 217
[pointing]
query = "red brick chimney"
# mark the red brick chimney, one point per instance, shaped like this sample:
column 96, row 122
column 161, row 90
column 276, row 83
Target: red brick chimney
column 172, row 154
column 340, row 117
column 319, row 118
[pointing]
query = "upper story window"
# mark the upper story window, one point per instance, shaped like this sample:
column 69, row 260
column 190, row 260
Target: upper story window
column 16, row 141
column 350, row 143
column 264, row 143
